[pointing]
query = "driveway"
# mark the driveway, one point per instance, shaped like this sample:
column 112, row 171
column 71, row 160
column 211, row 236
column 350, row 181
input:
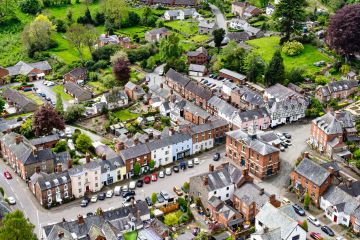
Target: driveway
column 220, row 19
column 49, row 92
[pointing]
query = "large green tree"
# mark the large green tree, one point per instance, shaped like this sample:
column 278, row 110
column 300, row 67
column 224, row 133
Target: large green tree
column 59, row 104
column 218, row 35
column 76, row 37
column 275, row 72
column 115, row 11
column 170, row 48
column 83, row 142
column 289, row 14
column 233, row 57
column 7, row 9
column 16, row 227
column 255, row 67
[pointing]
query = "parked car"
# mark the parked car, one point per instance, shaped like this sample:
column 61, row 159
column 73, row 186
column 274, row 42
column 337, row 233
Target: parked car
column 315, row 235
column 190, row 164
column 125, row 188
column 139, row 183
column 183, row 165
column 117, row 191
column 168, row 171
column 154, row 177
column 288, row 142
column 216, row 157
column 128, row 199
column 89, row 214
column 109, row 193
column 285, row 201
column 11, row 200
column 284, row 144
column 85, row 202
column 160, row 198
column 161, row 72
column 165, row 194
column 327, row 230
column 7, row 175
column 102, row 196
column 147, row 179
column 131, row 193
column 288, row 136
column 313, row 220
column 94, row 198
column 196, row 161
column 298, row 210
column 132, row 185
column 148, row 201
column 161, row 174
column 178, row 191
column 176, row 168
column 282, row 149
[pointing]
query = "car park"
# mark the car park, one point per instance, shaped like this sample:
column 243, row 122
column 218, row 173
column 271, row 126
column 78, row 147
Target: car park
column 7, row 175
column 147, row 179
column 168, row 171
column 160, row 198
column 313, row 220
column 327, row 230
column 148, row 201
column 109, row 193
column 190, row 164
column 298, row 210
column 177, row 190
column 139, row 183
column 161, row 174
column 132, row 185
column 315, row 236
column 216, row 157
column 176, row 168
column 131, row 193
column 11, row 200
column 154, row 177
column 196, row 161
column 102, row 196
column 165, row 194
column 94, row 198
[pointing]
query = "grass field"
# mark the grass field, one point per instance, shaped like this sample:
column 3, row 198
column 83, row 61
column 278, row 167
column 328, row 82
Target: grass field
column 131, row 31
column 33, row 97
column 125, row 114
column 97, row 87
column 199, row 38
column 60, row 89
column 184, row 27
column 266, row 47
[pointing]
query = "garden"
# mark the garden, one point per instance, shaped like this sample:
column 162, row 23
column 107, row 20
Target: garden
column 59, row 89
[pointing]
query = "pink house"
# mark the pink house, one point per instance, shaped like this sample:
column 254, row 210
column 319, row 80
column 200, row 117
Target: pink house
column 258, row 117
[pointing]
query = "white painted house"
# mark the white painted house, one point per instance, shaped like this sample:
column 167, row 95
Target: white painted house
column 181, row 146
column 239, row 24
column 180, row 14
column 161, row 151
column 116, row 98
column 270, row 9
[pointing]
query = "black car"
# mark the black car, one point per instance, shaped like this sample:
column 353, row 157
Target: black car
column 216, row 157
column 127, row 194
column 160, row 198
column 148, row 201
column 85, row 202
column 183, row 165
column 327, row 230
column 102, row 196
column 89, row 214
column 288, row 136
column 176, row 169
column 298, row 210
column 140, row 183
column 284, row 144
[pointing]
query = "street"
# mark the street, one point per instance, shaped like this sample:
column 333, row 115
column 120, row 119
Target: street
column 220, row 19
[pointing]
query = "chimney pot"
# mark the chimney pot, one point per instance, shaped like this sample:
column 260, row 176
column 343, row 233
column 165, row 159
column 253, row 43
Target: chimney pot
column 151, row 135
column 349, row 183
column 87, row 157
column 261, row 191
column 211, row 168
column 60, row 234
column 103, row 156
column 244, row 172
column 136, row 141
column 206, row 180
column 18, row 139
column 80, row 219
column 59, row 168
column 331, row 170
column 306, row 154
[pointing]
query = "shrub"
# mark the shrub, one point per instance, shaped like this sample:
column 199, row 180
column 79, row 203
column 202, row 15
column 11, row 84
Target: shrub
column 31, row 6
column 292, row 48
column 321, row 80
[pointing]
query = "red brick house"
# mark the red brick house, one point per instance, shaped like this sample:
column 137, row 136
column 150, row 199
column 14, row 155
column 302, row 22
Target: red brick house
column 199, row 56
column 45, row 141
column 249, row 151
column 312, row 178
column 130, row 156
column 195, row 114
column 34, row 71
column 75, row 75
column 234, row 76
column 222, row 212
column 134, row 92
column 176, row 81
column 4, row 73
column 336, row 90
column 197, row 93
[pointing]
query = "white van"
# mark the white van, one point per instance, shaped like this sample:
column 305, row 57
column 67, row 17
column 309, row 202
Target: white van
column 117, row 191
column 132, row 185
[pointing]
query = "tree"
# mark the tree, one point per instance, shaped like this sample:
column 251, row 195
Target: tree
column 137, row 169
column 45, row 119
column 60, row 146
column 145, row 16
column 304, row 225
column 186, row 186
column 2, row 104
column 289, row 14
column 170, row 48
column 26, row 128
column 31, row 6
column 120, row 64
column 153, row 198
column 171, row 219
column 91, row 35
column 183, row 204
column 59, row 104
column 37, row 35
column 7, row 10
column 315, row 109
column 114, row 11
column 219, row 35
column 83, row 142
column 255, row 67
column 233, row 57
column 321, row 80
column 343, row 33
column 73, row 113
column 69, row 16
column 295, row 75
column 275, row 72
column 76, row 37
column 307, row 200
column 151, row 164
column 292, row 48
column 264, row 3
column 16, row 227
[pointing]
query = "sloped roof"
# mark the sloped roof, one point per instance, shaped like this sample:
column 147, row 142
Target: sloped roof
column 25, row 68
column 232, row 74
column 335, row 123
column 177, row 77
column 312, row 171
column 198, row 90
column 20, row 100
column 76, row 90
column 341, row 199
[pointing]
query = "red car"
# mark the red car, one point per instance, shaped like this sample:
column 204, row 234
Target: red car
column 315, row 235
column 7, row 175
column 154, row 177
column 147, row 179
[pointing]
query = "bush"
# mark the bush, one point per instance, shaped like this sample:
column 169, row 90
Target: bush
column 31, row 6
column 321, row 80
column 292, row 48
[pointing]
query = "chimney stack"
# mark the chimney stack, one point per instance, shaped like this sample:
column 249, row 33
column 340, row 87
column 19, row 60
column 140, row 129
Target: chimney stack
column 69, row 163
column 245, row 172
column 331, row 170
column 87, row 157
column 37, row 169
column 171, row 91
column 206, row 180
column 119, row 146
column 337, row 115
column 18, row 139
column 60, row 234
column 151, row 135
column 136, row 141
column 34, row 151
column 272, row 199
column 161, row 85
column 103, row 156
column 261, row 191
column 349, row 183
column 171, row 131
column 80, row 219
column 211, row 168
column 306, row 154
column 59, row 168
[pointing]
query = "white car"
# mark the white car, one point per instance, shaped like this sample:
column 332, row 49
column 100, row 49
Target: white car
column 196, row 161
column 49, row 84
column 125, row 188
column 285, row 201
column 313, row 220
column 132, row 185
column 109, row 193
column 161, row 174
column 12, row 200
column 190, row 164
column 94, row 198
column 168, row 171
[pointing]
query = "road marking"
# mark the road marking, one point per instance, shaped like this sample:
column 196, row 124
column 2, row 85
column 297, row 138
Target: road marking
column 38, row 221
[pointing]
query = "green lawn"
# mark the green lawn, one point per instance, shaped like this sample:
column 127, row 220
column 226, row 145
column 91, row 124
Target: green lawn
column 199, row 38
column 33, row 97
column 136, row 76
column 97, row 87
column 266, row 47
column 131, row 31
column 125, row 114
column 188, row 27
column 78, row 9
column 60, row 89
column 131, row 235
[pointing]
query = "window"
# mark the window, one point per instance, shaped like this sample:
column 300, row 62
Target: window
column 66, row 194
column 297, row 237
column 79, row 190
column 227, row 195
column 50, row 200
column 49, row 192
column 243, row 148
column 214, row 192
column 79, row 183
column 65, row 186
column 96, row 178
column 86, row 173
column 227, row 188
column 96, row 185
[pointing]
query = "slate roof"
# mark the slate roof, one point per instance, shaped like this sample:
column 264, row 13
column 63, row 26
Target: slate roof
column 222, row 106
column 200, row 50
column 130, row 85
column 77, row 72
column 115, row 94
column 207, row 24
column 198, row 90
column 312, row 171
column 25, row 68
column 337, row 86
column 77, row 91
column 274, row 218
column 252, row 97
column 105, row 38
column 135, row 152
column 9, row 124
column 177, row 77
column 233, row 74
column 250, row 193
column 343, row 201
column 157, row 31
column 110, row 164
column 168, row 140
column 331, row 124
column 48, row 181
column 196, row 110
column 92, row 165
column 197, row 68
column 208, row 126
column 44, row 139
column 253, row 114
column 272, row 234
column 281, row 92
column 26, row 104
column 354, row 190
column 238, row 36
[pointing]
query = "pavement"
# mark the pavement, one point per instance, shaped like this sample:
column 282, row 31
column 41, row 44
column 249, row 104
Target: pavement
column 220, row 19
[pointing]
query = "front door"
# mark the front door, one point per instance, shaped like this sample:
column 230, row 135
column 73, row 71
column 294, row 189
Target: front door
column 335, row 218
